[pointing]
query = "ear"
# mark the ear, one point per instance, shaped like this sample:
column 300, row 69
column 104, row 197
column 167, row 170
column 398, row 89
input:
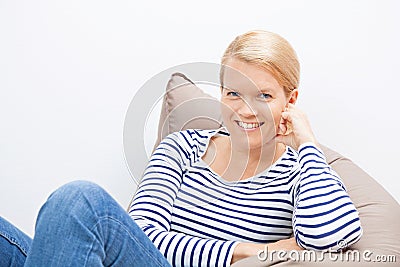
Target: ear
column 293, row 96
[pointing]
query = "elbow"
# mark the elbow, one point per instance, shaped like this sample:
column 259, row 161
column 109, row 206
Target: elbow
column 336, row 239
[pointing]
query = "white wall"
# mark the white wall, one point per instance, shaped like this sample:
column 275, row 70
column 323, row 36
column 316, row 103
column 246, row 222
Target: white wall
column 69, row 69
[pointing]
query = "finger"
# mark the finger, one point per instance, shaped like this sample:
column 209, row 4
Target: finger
column 286, row 116
column 285, row 128
column 289, row 128
column 286, row 125
column 282, row 126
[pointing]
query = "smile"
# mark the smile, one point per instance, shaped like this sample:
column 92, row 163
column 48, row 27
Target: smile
column 249, row 126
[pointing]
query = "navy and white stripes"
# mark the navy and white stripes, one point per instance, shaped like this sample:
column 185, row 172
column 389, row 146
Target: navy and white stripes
column 196, row 218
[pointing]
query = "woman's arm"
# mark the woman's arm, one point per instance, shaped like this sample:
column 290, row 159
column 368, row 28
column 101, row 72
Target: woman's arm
column 152, row 207
column 324, row 216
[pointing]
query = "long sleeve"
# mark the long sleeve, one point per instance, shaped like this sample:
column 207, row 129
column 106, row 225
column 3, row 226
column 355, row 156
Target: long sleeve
column 152, row 209
column 324, row 216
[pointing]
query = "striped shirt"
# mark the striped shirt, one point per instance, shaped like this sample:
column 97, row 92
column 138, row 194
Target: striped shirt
column 196, row 218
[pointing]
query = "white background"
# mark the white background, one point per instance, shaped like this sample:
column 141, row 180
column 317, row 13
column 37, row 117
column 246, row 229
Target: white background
column 69, row 69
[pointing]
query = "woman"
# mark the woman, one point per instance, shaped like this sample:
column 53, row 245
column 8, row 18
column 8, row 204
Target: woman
column 211, row 197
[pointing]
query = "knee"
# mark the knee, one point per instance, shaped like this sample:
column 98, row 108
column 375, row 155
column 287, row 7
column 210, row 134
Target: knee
column 75, row 189
column 75, row 196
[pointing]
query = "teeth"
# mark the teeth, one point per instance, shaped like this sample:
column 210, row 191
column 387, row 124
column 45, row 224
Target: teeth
column 248, row 125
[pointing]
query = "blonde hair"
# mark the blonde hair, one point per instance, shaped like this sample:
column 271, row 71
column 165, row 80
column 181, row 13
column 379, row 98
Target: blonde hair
column 269, row 51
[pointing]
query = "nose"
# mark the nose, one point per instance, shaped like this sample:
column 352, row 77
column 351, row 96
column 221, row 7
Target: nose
column 246, row 110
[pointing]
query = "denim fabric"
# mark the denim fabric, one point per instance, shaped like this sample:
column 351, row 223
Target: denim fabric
column 82, row 225
column 14, row 245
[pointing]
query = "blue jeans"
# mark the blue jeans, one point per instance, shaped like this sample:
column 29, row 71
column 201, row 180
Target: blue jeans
column 79, row 225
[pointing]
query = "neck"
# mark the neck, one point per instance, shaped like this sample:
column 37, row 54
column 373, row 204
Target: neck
column 253, row 161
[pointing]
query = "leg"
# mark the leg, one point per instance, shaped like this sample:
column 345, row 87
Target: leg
column 14, row 245
column 81, row 225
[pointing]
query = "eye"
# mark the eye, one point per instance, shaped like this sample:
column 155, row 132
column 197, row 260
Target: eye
column 265, row 96
column 232, row 93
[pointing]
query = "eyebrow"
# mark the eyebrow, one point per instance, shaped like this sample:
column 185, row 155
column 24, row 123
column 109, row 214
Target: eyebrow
column 266, row 89
column 263, row 90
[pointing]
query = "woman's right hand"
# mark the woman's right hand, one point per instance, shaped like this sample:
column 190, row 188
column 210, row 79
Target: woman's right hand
column 294, row 128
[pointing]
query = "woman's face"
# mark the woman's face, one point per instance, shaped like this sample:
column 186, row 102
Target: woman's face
column 251, row 104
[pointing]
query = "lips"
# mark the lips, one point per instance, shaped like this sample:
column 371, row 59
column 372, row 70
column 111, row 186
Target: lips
column 249, row 125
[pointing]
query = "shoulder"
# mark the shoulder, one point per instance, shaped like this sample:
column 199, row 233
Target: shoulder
column 191, row 142
column 192, row 136
column 289, row 162
column 292, row 153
